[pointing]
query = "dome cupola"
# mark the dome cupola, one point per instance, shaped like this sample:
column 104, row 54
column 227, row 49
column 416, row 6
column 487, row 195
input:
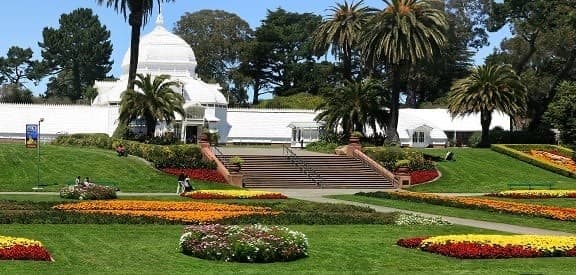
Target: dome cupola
column 162, row 52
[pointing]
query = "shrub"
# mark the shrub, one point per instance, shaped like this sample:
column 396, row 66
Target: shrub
column 322, row 146
column 391, row 157
column 91, row 192
column 236, row 160
column 252, row 243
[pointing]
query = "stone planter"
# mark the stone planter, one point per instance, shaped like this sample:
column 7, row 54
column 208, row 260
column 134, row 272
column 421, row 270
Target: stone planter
column 235, row 168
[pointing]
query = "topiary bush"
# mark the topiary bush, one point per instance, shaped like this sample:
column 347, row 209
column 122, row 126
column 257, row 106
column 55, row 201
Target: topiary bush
column 91, row 192
column 389, row 158
column 252, row 243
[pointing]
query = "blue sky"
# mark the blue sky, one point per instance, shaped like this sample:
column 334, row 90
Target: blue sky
column 22, row 22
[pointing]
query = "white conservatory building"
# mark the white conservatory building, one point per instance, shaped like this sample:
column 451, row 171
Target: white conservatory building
column 162, row 52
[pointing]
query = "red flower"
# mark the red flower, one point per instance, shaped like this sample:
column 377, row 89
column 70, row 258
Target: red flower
column 22, row 252
column 422, row 176
column 199, row 174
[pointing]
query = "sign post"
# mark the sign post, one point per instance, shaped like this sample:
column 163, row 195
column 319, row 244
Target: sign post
column 33, row 141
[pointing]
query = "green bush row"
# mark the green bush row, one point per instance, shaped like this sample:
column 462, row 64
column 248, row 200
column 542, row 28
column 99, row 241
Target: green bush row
column 322, row 147
column 518, row 152
column 181, row 156
column 389, row 157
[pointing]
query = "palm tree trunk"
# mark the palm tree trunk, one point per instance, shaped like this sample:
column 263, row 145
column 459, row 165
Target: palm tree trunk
column 391, row 130
column 150, row 128
column 485, row 120
column 135, row 20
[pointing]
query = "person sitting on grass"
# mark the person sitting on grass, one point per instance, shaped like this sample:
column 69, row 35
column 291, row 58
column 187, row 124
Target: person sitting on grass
column 121, row 151
column 187, row 185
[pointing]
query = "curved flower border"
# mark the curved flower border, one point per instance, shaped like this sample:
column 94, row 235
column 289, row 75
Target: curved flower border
column 494, row 246
column 534, row 194
column 193, row 212
column 12, row 248
column 232, row 194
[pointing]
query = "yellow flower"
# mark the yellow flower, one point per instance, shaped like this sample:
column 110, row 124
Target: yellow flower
column 7, row 242
column 537, row 242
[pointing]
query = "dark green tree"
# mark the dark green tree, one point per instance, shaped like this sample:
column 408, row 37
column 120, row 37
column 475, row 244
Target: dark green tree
column 77, row 53
column 137, row 12
column 18, row 67
column 154, row 101
column 561, row 112
column 353, row 105
column 487, row 89
column 399, row 36
column 285, row 45
column 217, row 37
column 15, row 93
column 542, row 50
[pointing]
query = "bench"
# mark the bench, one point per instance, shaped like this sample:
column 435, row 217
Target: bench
column 530, row 185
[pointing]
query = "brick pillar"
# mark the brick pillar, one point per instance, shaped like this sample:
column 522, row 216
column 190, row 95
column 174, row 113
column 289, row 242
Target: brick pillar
column 353, row 145
column 236, row 179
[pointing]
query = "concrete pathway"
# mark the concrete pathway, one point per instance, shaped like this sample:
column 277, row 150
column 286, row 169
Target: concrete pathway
column 317, row 195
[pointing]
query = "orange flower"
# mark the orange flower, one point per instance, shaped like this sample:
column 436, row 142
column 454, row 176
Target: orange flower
column 180, row 211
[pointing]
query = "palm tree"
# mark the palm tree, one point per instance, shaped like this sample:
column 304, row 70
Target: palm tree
column 155, row 101
column 139, row 11
column 402, row 34
column 354, row 105
column 486, row 89
column 341, row 32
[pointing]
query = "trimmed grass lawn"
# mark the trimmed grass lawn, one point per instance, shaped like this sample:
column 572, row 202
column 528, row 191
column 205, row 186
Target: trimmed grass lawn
column 483, row 170
column 480, row 215
column 59, row 166
column 149, row 249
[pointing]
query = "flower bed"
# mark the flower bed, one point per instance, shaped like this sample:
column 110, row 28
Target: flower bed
column 555, row 159
column 199, row 174
column 22, row 249
column 232, row 194
column 252, row 243
column 91, row 192
column 550, row 212
column 417, row 177
column 413, row 219
column 495, row 246
column 534, row 194
column 193, row 212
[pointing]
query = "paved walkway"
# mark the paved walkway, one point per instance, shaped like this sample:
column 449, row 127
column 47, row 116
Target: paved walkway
column 317, row 195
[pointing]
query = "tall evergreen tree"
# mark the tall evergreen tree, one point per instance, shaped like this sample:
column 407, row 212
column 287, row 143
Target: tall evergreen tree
column 77, row 53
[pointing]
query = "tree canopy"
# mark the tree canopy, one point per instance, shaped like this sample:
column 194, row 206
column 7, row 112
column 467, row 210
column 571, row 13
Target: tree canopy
column 76, row 54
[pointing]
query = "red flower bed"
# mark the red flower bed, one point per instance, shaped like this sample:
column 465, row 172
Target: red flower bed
column 22, row 252
column 411, row 243
column 199, row 174
column 468, row 250
column 423, row 176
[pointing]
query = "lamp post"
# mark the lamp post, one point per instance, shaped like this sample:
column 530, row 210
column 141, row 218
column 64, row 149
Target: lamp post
column 38, row 154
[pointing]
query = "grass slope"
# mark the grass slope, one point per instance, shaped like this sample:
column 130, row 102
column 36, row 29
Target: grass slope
column 483, row 170
column 359, row 249
column 59, row 165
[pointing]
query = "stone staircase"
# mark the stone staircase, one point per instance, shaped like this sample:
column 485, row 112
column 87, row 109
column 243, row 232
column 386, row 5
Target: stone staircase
column 330, row 171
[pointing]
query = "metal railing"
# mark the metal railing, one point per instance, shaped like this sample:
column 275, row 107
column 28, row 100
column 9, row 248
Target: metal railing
column 216, row 151
column 304, row 166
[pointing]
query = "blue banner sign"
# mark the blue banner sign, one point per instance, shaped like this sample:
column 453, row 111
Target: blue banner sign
column 31, row 135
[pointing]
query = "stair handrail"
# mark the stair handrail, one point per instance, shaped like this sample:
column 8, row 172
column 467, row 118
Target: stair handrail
column 366, row 160
column 217, row 151
column 303, row 165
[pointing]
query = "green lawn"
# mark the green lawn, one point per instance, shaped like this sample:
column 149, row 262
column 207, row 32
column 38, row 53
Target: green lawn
column 359, row 249
column 483, row 170
column 481, row 215
column 60, row 165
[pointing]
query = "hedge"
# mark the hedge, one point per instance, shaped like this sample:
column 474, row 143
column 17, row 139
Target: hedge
column 182, row 156
column 517, row 151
